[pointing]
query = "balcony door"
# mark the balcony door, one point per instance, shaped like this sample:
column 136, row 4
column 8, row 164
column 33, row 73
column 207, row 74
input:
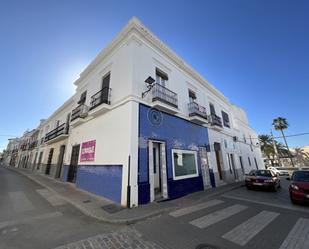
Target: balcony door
column 73, row 164
column 105, row 89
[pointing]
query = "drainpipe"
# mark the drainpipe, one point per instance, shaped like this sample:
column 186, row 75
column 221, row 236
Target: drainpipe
column 129, row 186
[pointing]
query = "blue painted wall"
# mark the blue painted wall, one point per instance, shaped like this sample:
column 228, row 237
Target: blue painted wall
column 177, row 134
column 65, row 172
column 103, row 180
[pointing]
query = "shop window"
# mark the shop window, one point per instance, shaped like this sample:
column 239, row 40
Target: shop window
column 184, row 164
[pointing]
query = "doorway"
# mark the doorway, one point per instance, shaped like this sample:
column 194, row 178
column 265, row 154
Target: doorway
column 49, row 161
column 157, row 170
column 73, row 164
column 40, row 160
column 60, row 161
column 217, row 147
column 233, row 166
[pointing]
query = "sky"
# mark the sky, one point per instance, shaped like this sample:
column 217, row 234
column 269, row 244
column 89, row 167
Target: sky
column 256, row 52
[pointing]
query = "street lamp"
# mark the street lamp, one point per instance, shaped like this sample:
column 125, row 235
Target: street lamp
column 149, row 84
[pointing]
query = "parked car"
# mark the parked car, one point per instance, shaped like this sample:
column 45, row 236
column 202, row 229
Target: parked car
column 273, row 169
column 262, row 179
column 299, row 187
column 279, row 171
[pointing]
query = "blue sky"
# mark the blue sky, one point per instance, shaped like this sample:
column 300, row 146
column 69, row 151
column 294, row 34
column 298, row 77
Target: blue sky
column 255, row 52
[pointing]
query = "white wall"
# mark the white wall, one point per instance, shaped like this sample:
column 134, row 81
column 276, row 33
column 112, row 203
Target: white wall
column 113, row 133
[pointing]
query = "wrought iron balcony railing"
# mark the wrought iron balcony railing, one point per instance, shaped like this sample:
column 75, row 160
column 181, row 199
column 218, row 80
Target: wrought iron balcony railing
column 60, row 130
column 79, row 111
column 216, row 120
column 101, row 97
column 197, row 110
column 165, row 95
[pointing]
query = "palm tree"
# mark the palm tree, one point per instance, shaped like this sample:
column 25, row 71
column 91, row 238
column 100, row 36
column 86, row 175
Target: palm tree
column 266, row 147
column 281, row 124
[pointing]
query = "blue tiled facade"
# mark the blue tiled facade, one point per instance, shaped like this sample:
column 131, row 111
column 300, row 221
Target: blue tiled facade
column 177, row 133
column 103, row 180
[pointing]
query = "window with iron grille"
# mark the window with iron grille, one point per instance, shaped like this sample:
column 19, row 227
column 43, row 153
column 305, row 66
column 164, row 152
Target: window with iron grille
column 226, row 119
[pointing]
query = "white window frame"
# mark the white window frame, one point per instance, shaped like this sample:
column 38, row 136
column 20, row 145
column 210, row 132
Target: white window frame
column 196, row 165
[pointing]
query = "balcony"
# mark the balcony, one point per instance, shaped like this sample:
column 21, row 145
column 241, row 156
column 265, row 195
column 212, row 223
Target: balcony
column 78, row 114
column 57, row 134
column 197, row 113
column 33, row 145
column 216, row 122
column 164, row 99
column 100, row 102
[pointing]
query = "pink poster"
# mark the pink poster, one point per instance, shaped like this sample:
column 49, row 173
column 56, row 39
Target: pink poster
column 87, row 151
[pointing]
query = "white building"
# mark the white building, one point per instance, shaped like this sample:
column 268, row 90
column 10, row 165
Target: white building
column 145, row 126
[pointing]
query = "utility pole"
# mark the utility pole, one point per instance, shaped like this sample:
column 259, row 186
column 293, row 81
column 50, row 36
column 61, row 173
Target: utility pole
column 276, row 156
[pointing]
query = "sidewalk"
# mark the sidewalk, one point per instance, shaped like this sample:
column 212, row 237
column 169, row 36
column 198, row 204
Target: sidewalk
column 107, row 211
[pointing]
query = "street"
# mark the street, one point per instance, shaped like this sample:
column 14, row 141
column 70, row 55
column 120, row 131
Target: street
column 32, row 217
column 238, row 219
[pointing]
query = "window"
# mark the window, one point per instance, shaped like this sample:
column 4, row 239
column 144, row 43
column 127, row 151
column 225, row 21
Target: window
column 184, row 164
column 82, row 99
column 161, row 77
column 192, row 96
column 212, row 109
column 226, row 120
column 256, row 165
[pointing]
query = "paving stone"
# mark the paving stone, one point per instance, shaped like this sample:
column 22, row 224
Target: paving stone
column 123, row 239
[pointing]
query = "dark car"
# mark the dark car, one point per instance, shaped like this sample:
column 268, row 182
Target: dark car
column 262, row 178
column 299, row 187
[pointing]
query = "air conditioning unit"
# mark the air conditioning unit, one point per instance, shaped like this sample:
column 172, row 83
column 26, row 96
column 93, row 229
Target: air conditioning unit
column 84, row 111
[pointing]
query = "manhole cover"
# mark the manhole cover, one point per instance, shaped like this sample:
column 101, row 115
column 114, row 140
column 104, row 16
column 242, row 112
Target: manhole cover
column 206, row 246
column 112, row 208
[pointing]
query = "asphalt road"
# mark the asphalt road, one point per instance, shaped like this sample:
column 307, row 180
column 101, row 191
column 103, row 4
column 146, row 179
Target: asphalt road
column 238, row 219
column 33, row 218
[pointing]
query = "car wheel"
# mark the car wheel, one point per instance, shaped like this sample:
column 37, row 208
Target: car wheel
column 249, row 187
column 293, row 201
column 274, row 188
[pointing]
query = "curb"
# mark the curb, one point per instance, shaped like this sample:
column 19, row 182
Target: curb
column 87, row 213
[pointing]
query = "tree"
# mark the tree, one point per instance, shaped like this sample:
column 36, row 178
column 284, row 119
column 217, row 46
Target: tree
column 281, row 124
column 301, row 156
column 267, row 147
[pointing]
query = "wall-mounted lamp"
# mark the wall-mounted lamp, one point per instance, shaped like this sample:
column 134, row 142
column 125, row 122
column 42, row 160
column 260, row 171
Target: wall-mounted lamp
column 149, row 84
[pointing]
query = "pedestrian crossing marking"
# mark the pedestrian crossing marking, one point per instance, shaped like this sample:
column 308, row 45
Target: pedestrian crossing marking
column 217, row 216
column 51, row 197
column 191, row 209
column 243, row 233
column 20, row 201
column 298, row 236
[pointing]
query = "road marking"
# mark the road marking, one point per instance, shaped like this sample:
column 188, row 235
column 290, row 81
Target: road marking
column 51, row 197
column 4, row 224
column 267, row 203
column 246, row 231
column 217, row 216
column 191, row 209
column 20, row 202
column 298, row 236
